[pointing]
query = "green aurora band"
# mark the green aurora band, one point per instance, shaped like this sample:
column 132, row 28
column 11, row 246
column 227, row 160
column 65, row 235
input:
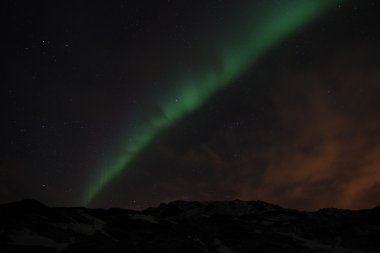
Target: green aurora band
column 259, row 37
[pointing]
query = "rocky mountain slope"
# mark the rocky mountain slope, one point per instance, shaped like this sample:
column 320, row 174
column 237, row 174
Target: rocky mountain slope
column 180, row 226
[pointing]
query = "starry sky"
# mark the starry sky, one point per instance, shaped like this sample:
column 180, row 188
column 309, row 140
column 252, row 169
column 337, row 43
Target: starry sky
column 134, row 103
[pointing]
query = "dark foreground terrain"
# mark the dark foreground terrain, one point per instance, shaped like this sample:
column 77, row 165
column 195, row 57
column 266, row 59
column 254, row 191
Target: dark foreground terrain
column 180, row 226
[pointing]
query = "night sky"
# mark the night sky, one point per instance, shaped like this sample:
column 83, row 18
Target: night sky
column 133, row 103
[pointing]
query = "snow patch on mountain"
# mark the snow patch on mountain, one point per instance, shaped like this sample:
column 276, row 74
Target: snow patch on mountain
column 27, row 237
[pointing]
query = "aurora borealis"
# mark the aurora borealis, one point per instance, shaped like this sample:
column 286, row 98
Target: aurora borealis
column 135, row 103
column 257, row 40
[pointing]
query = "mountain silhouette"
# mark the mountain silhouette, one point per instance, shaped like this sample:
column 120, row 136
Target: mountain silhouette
column 184, row 226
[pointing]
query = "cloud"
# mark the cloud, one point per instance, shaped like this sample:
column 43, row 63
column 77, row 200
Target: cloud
column 316, row 144
column 326, row 151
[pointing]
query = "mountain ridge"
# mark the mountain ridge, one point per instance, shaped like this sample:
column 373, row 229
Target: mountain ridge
column 187, row 226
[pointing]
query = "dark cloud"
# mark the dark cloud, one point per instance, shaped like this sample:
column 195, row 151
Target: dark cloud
column 327, row 150
column 322, row 150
